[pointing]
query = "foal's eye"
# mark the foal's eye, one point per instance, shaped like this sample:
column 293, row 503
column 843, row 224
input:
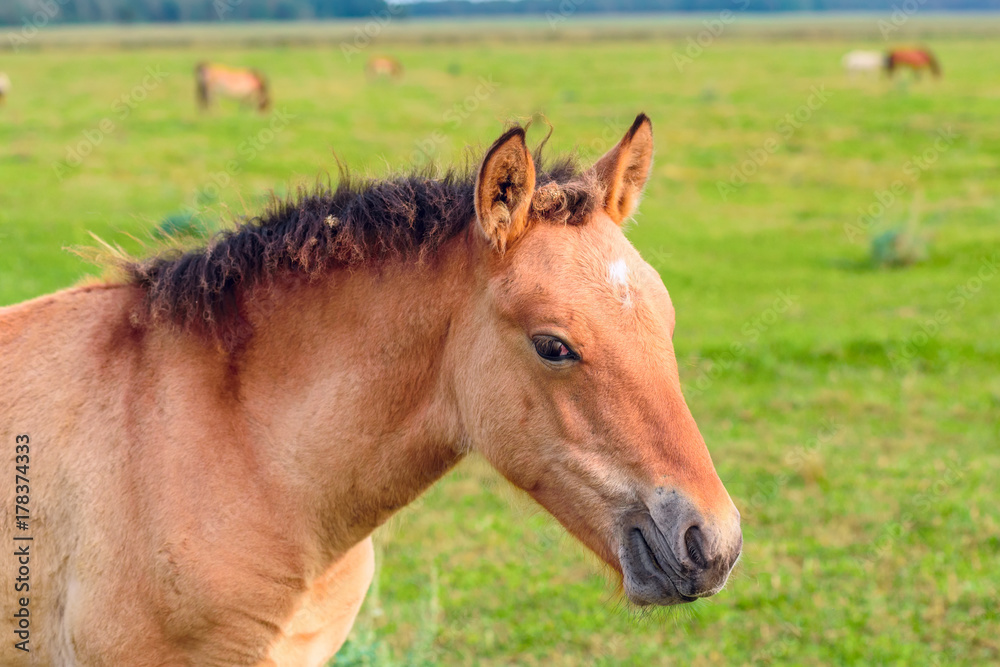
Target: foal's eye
column 551, row 348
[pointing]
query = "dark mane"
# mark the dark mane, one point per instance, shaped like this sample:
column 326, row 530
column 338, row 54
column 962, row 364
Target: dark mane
column 359, row 222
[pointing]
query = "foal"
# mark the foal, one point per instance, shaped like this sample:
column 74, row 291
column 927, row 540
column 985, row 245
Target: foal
column 213, row 440
column 915, row 59
column 246, row 85
column 379, row 66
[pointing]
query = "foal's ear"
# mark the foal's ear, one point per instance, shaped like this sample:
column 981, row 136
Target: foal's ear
column 624, row 169
column 504, row 187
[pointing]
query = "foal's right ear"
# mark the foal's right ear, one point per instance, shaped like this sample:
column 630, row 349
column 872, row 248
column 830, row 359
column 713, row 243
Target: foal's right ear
column 624, row 169
column 504, row 187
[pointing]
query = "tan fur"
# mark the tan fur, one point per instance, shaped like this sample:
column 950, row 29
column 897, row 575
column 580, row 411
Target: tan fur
column 625, row 168
column 384, row 66
column 322, row 621
column 239, row 83
column 195, row 507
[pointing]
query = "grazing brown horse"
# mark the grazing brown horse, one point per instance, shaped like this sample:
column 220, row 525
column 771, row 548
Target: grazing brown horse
column 246, row 85
column 915, row 59
column 379, row 66
column 213, row 439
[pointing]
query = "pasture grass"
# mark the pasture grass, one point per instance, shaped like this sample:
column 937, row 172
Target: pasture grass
column 852, row 411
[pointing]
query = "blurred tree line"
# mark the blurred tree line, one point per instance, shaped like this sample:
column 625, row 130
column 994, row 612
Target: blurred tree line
column 465, row 7
column 171, row 11
column 14, row 12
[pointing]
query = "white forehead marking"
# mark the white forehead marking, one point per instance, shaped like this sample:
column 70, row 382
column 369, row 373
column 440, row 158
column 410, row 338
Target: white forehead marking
column 618, row 276
column 618, row 272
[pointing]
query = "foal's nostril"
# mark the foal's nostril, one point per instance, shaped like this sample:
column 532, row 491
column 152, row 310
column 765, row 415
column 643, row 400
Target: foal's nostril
column 693, row 543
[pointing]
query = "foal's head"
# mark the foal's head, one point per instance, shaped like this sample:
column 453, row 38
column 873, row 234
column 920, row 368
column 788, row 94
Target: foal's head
column 572, row 391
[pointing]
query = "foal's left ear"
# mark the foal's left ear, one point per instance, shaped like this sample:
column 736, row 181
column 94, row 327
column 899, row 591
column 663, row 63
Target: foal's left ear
column 624, row 169
column 504, row 187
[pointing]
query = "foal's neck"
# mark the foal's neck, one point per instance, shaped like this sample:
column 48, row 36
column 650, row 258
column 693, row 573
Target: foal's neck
column 349, row 378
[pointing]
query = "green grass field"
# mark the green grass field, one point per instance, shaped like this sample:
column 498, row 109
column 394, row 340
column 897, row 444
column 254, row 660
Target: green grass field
column 853, row 412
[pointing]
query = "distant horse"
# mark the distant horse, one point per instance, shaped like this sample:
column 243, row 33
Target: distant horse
column 4, row 87
column 916, row 59
column 246, row 85
column 857, row 62
column 379, row 66
column 213, row 438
